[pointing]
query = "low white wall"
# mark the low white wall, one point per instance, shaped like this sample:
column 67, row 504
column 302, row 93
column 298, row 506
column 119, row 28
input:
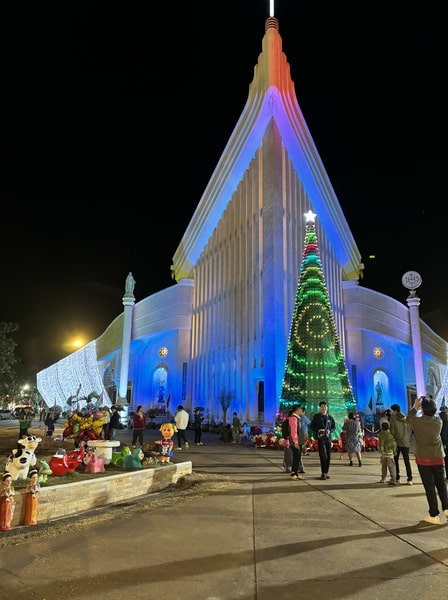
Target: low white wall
column 73, row 498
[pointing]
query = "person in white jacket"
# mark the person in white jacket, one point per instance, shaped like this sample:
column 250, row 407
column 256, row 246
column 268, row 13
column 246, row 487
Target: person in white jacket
column 181, row 419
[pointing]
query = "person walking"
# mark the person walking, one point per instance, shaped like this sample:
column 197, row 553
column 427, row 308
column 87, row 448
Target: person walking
column 287, row 451
column 114, row 422
column 49, row 424
column 323, row 426
column 303, row 436
column 444, row 437
column 236, row 429
column 25, row 416
column 105, row 428
column 198, row 418
column 401, row 431
column 138, row 425
column 353, row 435
column 387, row 447
column 181, row 419
column 429, row 456
column 294, row 437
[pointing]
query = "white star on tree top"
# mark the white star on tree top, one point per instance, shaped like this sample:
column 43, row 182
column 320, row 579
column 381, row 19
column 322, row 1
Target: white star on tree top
column 310, row 216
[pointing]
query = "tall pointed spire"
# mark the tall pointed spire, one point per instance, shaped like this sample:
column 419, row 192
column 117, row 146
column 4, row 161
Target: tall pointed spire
column 315, row 369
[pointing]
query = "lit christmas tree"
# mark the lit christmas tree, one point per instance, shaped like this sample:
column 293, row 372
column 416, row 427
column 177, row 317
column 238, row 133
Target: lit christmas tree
column 315, row 368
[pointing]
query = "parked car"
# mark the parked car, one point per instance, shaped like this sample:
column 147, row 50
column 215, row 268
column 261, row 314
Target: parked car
column 5, row 414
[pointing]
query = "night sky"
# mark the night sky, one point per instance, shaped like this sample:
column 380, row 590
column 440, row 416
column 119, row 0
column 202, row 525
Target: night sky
column 100, row 100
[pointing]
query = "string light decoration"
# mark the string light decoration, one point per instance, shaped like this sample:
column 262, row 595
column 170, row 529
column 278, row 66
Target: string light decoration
column 315, row 369
column 77, row 371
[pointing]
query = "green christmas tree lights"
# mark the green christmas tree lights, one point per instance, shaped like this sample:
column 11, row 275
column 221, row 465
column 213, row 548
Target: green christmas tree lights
column 315, row 368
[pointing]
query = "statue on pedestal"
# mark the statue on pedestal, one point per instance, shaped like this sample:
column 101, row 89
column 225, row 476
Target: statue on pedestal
column 130, row 284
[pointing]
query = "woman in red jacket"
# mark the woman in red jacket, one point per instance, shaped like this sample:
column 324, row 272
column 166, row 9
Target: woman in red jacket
column 139, row 425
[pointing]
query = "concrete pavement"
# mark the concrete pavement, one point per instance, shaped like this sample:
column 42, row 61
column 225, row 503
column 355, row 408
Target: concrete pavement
column 247, row 532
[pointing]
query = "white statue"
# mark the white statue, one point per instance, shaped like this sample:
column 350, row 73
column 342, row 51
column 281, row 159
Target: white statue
column 130, row 284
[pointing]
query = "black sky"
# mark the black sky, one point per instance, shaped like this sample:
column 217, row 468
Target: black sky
column 100, row 100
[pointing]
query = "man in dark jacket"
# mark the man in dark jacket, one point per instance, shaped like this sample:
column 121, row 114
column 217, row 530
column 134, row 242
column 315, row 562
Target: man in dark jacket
column 114, row 423
column 401, row 431
column 429, row 456
column 323, row 426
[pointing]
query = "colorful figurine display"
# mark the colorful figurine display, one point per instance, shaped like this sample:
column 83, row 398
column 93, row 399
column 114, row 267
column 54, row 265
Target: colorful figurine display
column 66, row 462
column 44, row 471
column 32, row 498
column 85, row 425
column 7, row 502
column 133, row 460
column 92, row 462
column 20, row 460
column 117, row 457
column 166, row 444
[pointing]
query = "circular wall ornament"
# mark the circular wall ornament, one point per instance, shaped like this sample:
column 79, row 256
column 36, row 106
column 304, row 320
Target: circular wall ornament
column 411, row 280
column 163, row 352
column 378, row 352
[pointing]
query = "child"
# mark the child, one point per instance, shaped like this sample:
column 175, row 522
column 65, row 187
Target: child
column 387, row 447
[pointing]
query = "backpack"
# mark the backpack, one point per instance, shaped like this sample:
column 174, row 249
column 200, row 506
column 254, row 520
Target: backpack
column 286, row 429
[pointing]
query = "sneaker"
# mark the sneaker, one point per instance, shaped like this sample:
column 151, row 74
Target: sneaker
column 323, row 476
column 179, row 448
column 327, row 476
column 197, row 444
column 392, row 482
column 200, row 444
column 187, row 445
column 302, row 471
column 381, row 481
column 409, row 483
column 294, row 476
column 432, row 520
column 287, row 470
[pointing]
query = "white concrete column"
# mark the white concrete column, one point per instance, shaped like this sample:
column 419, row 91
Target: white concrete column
column 413, row 302
column 128, row 303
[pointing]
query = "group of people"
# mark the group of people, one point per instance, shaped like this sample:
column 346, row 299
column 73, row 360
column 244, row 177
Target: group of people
column 394, row 440
column 322, row 425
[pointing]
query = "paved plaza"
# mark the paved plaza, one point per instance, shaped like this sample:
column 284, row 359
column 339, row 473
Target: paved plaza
column 251, row 534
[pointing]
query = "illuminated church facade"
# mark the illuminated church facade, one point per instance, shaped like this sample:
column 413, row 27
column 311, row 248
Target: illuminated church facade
column 220, row 333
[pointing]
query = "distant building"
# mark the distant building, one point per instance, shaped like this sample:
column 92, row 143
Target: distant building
column 220, row 334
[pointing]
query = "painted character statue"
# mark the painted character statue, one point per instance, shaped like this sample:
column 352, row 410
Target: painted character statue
column 32, row 498
column 133, row 460
column 62, row 463
column 20, row 460
column 92, row 462
column 7, row 502
column 44, row 471
column 117, row 457
column 166, row 444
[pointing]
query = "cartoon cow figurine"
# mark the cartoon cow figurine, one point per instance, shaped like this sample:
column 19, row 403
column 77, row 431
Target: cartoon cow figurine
column 20, row 460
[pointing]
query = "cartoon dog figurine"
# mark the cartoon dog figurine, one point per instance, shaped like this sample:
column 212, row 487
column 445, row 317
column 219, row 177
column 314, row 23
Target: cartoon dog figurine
column 166, row 444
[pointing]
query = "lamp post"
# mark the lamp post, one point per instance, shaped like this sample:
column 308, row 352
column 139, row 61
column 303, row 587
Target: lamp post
column 411, row 280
